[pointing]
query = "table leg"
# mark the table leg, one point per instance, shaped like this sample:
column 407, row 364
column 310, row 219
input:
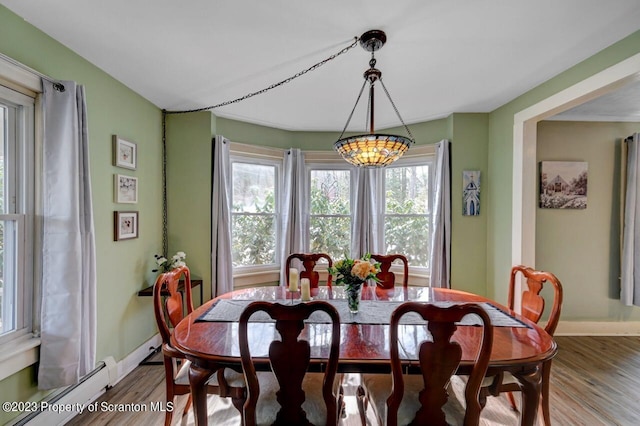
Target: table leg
column 531, row 387
column 198, row 383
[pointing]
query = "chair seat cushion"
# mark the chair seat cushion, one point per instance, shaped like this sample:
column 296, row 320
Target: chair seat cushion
column 507, row 379
column 378, row 388
column 233, row 378
column 268, row 407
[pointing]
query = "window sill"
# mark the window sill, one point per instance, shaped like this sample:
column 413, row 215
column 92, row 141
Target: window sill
column 18, row 354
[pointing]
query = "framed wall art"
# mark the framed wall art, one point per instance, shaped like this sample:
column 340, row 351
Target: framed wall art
column 471, row 193
column 125, row 225
column 125, row 189
column 563, row 184
column 125, row 153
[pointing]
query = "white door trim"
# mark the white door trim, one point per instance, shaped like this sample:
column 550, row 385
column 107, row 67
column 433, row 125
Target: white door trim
column 524, row 197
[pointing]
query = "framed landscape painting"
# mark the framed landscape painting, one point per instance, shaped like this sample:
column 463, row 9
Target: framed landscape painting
column 563, row 184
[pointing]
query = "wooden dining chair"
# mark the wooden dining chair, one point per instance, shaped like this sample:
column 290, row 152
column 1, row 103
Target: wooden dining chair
column 532, row 307
column 386, row 276
column 309, row 261
column 168, row 305
column 424, row 398
column 287, row 394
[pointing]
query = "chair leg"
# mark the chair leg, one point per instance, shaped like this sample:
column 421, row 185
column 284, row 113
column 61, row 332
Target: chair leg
column 512, row 401
column 187, row 406
column 168, row 367
column 363, row 402
column 544, row 400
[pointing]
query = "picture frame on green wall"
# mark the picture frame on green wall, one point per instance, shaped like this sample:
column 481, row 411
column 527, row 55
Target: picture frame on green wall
column 471, row 193
column 125, row 153
column 125, row 225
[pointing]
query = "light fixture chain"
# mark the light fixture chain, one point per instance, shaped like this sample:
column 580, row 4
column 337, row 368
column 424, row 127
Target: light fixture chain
column 273, row 86
column 396, row 110
column 353, row 110
column 165, row 237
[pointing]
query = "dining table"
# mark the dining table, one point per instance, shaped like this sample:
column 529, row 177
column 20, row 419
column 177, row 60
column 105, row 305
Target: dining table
column 208, row 337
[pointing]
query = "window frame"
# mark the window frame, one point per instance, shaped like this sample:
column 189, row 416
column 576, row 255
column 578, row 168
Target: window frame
column 19, row 349
column 239, row 154
column 337, row 164
column 418, row 159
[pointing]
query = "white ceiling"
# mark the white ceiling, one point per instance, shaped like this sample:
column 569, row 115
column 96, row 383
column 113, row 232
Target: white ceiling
column 441, row 56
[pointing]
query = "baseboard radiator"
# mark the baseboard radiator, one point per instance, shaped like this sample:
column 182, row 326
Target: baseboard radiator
column 90, row 387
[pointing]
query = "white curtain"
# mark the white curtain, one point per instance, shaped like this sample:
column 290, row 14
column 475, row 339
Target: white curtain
column 68, row 307
column 221, row 260
column 630, row 277
column 294, row 202
column 440, row 247
column 366, row 236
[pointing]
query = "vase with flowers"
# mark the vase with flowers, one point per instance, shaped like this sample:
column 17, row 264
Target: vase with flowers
column 167, row 264
column 352, row 273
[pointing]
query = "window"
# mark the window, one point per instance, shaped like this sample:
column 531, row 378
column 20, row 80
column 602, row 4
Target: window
column 402, row 197
column 330, row 212
column 254, row 212
column 407, row 215
column 16, row 213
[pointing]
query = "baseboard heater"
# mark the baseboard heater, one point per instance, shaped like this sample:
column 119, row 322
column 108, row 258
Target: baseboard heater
column 90, row 387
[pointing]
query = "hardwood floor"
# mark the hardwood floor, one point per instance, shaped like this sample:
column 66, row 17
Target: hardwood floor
column 594, row 381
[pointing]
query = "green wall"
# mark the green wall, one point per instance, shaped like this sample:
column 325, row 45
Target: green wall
column 189, row 154
column 469, row 233
column 125, row 320
column 500, row 152
column 582, row 247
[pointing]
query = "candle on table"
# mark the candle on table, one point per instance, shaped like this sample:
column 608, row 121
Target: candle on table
column 305, row 289
column 293, row 279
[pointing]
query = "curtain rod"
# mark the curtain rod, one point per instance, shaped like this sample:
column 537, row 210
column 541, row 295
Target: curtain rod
column 56, row 83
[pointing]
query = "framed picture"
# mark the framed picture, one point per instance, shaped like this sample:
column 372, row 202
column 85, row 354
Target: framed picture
column 125, row 189
column 125, row 153
column 471, row 193
column 125, row 225
column 563, row 184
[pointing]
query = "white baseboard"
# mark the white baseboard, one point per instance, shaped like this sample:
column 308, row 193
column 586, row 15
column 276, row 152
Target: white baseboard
column 131, row 361
column 597, row 328
column 89, row 390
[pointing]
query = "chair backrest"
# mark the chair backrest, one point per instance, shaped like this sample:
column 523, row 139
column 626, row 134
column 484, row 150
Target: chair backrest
column 533, row 304
column 289, row 359
column 386, row 277
column 170, row 311
column 309, row 261
column 439, row 360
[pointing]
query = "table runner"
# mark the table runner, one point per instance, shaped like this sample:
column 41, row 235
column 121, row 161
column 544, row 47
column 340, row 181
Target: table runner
column 371, row 312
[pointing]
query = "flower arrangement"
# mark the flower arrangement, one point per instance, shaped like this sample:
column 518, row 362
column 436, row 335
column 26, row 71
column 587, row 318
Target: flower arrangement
column 352, row 273
column 166, row 265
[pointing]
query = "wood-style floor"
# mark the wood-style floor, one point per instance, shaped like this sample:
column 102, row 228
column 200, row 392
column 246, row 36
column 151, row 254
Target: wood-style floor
column 594, row 381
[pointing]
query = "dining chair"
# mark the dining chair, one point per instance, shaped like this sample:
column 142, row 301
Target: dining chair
column 287, row 394
column 309, row 261
column 168, row 305
column 386, row 276
column 426, row 397
column 532, row 307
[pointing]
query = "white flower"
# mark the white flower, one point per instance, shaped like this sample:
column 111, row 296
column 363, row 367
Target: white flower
column 181, row 254
column 160, row 260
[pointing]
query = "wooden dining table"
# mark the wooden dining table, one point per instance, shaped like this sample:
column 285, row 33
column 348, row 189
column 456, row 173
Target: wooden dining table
column 210, row 342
